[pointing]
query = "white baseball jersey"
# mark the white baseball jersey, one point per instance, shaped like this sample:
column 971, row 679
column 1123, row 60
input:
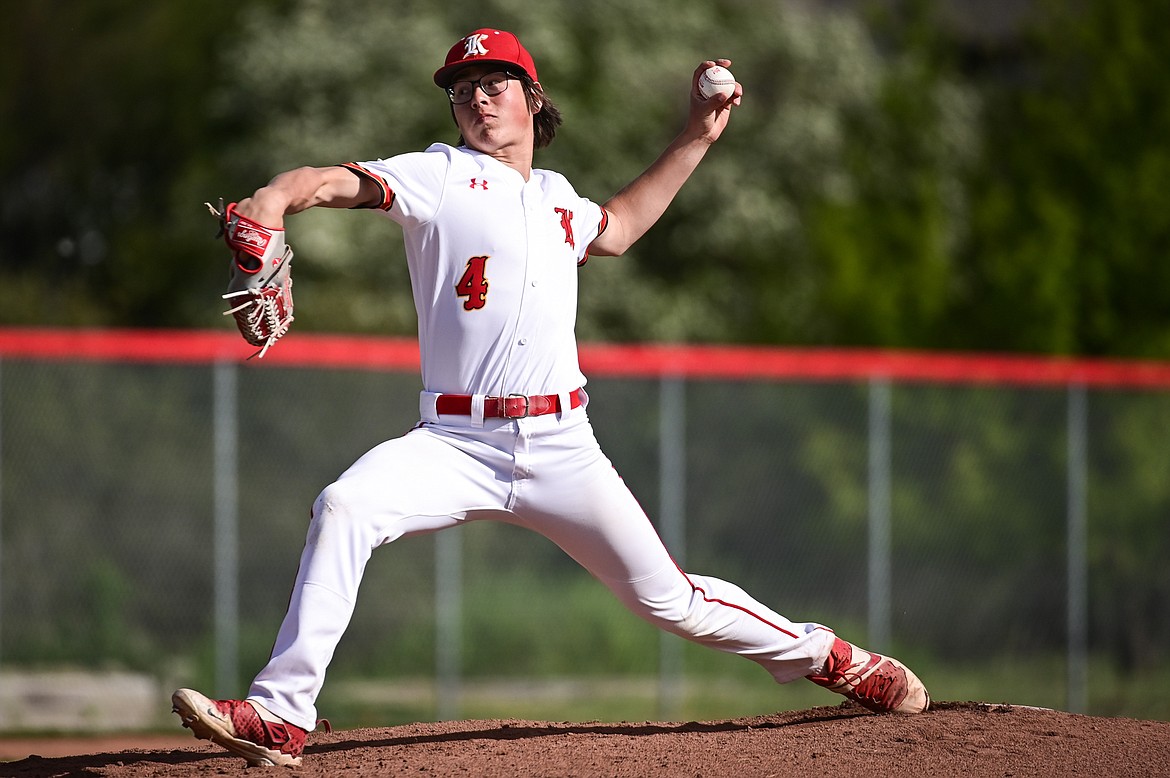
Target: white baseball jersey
column 493, row 267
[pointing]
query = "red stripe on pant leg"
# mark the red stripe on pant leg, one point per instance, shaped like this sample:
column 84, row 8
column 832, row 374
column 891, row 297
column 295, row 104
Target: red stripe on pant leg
column 758, row 617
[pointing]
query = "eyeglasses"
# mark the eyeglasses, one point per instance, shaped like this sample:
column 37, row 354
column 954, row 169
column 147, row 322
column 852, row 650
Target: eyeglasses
column 492, row 84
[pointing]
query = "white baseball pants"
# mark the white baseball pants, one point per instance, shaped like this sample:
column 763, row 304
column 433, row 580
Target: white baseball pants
column 546, row 473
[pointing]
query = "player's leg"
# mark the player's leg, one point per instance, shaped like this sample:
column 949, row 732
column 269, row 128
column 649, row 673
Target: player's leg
column 579, row 502
column 592, row 515
column 417, row 484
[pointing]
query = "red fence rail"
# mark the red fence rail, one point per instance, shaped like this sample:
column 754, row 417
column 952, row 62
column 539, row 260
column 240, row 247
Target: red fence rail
column 314, row 350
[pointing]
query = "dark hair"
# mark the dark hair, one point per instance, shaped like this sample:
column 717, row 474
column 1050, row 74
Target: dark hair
column 545, row 120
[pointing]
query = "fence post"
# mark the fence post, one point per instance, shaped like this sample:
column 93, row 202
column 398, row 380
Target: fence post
column 226, row 530
column 879, row 514
column 1078, row 568
column 672, row 497
column 448, row 621
column 1, row 517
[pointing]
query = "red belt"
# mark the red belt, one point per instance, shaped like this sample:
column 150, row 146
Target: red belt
column 514, row 406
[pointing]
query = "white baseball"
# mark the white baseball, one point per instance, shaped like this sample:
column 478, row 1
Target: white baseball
column 716, row 80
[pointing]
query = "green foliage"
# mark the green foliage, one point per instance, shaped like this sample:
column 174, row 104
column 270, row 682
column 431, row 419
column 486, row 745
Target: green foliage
column 102, row 112
column 886, row 182
column 1128, row 552
column 583, row 630
column 1071, row 229
column 736, row 257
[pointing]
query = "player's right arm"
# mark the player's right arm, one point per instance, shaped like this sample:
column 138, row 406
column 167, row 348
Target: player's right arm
column 638, row 206
column 307, row 187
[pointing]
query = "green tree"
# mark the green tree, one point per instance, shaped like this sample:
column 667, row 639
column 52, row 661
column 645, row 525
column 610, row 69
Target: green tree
column 1071, row 231
column 869, row 192
column 103, row 125
column 885, row 250
column 739, row 256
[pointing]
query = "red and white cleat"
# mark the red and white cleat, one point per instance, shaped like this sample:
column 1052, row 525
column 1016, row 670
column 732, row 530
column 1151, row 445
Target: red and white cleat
column 879, row 683
column 236, row 726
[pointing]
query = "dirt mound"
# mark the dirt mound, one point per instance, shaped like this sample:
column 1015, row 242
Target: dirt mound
column 952, row 739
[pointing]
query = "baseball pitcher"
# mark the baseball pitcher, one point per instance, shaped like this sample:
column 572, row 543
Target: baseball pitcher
column 495, row 247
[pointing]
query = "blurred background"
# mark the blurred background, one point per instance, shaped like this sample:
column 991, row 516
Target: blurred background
column 936, row 176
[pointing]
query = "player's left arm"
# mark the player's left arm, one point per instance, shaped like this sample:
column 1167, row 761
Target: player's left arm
column 640, row 204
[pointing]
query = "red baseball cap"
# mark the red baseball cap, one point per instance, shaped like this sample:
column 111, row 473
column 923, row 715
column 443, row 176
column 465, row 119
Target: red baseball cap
column 486, row 45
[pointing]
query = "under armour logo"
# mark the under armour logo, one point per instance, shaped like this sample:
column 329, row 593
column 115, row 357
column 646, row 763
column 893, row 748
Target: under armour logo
column 567, row 224
column 476, row 182
column 473, row 45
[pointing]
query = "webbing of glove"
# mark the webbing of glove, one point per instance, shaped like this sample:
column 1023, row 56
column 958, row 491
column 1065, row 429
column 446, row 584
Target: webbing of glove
column 261, row 281
column 264, row 315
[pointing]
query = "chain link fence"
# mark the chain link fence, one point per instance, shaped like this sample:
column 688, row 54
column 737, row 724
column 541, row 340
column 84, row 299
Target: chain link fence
column 1009, row 540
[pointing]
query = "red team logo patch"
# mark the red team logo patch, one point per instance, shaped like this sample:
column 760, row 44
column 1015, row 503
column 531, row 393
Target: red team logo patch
column 567, row 224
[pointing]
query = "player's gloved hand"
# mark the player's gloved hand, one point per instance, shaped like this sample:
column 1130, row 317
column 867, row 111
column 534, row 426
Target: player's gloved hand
column 260, row 288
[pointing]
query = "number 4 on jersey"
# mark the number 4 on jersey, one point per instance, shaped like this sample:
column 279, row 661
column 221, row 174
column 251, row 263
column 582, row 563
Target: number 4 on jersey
column 473, row 285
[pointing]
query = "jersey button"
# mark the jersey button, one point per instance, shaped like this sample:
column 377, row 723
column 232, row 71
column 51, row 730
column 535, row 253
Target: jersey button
column 523, row 341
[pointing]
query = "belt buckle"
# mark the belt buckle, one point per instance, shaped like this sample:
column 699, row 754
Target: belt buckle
column 504, row 406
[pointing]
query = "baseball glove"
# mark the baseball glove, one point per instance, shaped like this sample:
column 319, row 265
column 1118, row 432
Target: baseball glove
column 261, row 282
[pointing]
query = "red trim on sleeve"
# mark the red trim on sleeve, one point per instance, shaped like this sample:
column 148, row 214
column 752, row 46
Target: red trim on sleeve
column 601, row 229
column 387, row 194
